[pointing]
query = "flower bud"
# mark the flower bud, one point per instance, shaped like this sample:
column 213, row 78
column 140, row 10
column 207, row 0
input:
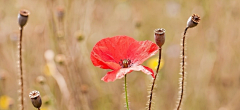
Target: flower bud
column 23, row 17
column 35, row 98
column 193, row 20
column 159, row 36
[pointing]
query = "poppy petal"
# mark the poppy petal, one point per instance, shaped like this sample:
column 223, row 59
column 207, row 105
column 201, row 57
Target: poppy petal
column 124, row 71
column 109, row 51
column 141, row 51
column 149, row 70
column 105, row 65
column 116, row 74
column 110, row 76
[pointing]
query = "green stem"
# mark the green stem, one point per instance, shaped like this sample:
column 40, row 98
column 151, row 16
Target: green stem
column 125, row 88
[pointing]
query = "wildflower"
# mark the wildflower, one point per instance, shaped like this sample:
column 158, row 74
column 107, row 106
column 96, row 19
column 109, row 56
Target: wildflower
column 45, row 108
column 153, row 63
column 5, row 102
column 122, row 54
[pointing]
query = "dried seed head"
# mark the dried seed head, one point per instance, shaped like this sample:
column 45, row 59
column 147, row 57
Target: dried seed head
column 60, row 13
column 79, row 36
column 35, row 98
column 193, row 21
column 23, row 17
column 41, row 80
column 60, row 59
column 159, row 36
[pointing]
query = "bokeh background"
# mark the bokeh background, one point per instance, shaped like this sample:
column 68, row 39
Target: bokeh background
column 60, row 35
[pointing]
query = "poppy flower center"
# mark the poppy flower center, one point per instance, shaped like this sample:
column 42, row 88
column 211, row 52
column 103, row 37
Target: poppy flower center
column 125, row 63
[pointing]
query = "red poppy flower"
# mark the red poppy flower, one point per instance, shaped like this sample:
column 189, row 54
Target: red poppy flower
column 122, row 54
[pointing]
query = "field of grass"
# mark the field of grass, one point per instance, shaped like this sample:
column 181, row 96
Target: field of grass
column 69, row 29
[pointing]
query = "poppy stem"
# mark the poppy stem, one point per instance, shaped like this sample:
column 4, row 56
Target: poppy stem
column 20, row 68
column 181, row 83
column 125, row 88
column 159, row 60
column 154, row 80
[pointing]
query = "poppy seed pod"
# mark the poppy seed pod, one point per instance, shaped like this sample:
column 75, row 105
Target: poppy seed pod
column 60, row 13
column 23, row 17
column 159, row 36
column 193, row 20
column 35, row 98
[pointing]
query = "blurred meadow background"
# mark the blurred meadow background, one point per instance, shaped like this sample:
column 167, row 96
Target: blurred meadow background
column 60, row 34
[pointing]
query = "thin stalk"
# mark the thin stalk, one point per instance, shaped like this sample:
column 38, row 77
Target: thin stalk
column 38, row 108
column 159, row 60
column 183, row 70
column 125, row 88
column 154, row 80
column 20, row 69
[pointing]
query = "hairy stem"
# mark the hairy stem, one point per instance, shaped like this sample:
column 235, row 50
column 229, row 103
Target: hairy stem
column 183, row 70
column 154, row 80
column 20, row 69
column 125, row 88
column 159, row 60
